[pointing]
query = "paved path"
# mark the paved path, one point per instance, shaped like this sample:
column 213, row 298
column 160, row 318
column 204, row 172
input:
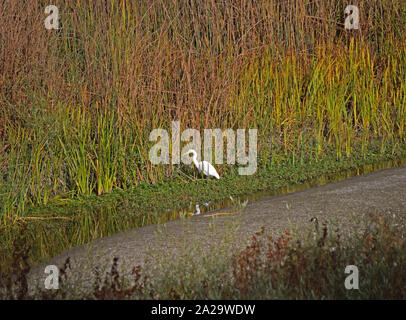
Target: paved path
column 383, row 191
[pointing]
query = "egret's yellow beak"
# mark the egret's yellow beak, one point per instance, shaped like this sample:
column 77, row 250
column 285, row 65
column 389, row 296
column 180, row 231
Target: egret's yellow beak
column 185, row 154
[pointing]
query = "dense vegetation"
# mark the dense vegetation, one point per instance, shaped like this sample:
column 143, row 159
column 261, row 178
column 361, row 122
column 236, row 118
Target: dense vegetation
column 78, row 103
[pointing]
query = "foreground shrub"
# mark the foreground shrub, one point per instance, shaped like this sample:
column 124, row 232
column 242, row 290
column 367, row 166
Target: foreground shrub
column 289, row 266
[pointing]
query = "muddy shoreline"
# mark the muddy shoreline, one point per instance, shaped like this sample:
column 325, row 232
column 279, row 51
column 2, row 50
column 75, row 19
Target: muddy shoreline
column 377, row 192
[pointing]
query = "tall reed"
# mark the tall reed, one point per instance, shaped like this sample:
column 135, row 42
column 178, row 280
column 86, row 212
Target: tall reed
column 78, row 104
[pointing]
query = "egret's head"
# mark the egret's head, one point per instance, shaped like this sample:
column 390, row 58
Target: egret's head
column 189, row 152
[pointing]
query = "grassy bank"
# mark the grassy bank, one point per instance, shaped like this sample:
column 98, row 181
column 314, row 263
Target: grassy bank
column 62, row 224
column 78, row 103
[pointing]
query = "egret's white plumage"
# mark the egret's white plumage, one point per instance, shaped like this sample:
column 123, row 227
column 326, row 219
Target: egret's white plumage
column 197, row 210
column 203, row 166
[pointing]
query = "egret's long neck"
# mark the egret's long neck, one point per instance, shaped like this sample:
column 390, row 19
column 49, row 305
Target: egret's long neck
column 194, row 158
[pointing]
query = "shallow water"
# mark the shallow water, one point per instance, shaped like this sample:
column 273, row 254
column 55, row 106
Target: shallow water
column 344, row 204
column 319, row 181
column 108, row 220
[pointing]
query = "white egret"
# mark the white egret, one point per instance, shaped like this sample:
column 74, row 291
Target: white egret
column 206, row 204
column 197, row 210
column 204, row 166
